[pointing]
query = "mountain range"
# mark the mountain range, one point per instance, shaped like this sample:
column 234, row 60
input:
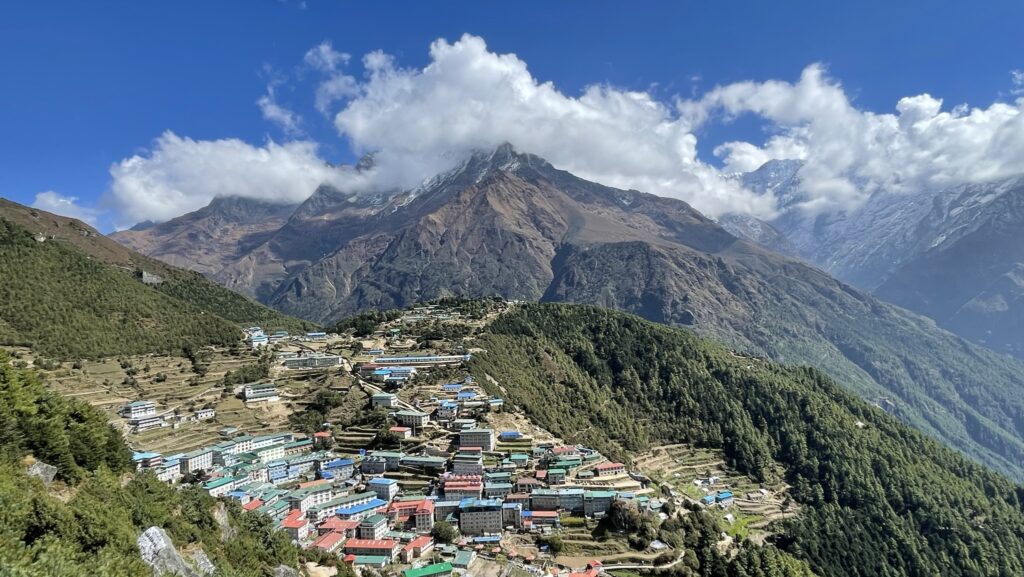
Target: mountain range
column 509, row 223
column 953, row 254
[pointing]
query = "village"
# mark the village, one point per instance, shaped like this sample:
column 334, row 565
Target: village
column 453, row 481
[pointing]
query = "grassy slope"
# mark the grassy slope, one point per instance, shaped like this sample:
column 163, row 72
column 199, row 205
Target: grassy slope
column 69, row 300
column 880, row 498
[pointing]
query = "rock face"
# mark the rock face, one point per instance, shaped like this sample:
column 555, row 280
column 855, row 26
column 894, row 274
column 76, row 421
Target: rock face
column 510, row 224
column 43, row 471
column 285, row 571
column 158, row 552
column 208, row 239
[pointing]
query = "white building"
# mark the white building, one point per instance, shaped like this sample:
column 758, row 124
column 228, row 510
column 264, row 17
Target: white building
column 138, row 409
column 483, row 438
column 198, row 460
column 386, row 489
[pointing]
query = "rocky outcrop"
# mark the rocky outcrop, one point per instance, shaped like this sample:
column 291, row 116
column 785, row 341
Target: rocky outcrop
column 159, row 552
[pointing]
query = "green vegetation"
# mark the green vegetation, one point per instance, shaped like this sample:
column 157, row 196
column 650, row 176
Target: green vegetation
column 65, row 303
column 68, row 434
column 444, row 532
column 89, row 526
column 878, row 498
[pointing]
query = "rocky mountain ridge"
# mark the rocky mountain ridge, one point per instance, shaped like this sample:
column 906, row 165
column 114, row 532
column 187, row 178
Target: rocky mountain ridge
column 510, row 224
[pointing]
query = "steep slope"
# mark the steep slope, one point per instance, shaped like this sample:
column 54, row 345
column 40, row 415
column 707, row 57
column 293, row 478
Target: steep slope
column 88, row 521
column 510, row 224
column 878, row 498
column 950, row 254
column 68, row 291
column 210, row 238
column 965, row 269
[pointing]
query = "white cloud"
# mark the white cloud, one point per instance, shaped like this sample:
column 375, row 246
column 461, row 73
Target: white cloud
column 421, row 121
column 1017, row 80
column 335, row 85
column 289, row 122
column 179, row 175
column 57, row 203
column 324, row 57
column 851, row 153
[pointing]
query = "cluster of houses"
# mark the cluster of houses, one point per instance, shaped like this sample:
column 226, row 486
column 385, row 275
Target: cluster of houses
column 256, row 338
column 142, row 415
column 357, row 508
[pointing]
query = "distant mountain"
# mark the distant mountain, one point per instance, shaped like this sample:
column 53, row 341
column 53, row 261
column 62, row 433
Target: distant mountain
column 954, row 254
column 68, row 291
column 510, row 224
column 208, row 239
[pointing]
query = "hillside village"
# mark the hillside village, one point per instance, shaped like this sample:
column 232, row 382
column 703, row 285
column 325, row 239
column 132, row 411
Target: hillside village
column 417, row 465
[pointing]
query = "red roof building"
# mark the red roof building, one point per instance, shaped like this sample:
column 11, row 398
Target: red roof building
column 329, row 542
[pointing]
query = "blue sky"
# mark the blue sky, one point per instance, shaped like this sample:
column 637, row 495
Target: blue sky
column 86, row 85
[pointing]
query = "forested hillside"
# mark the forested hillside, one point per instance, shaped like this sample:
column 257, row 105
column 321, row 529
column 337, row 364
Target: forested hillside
column 87, row 523
column 63, row 300
column 879, row 498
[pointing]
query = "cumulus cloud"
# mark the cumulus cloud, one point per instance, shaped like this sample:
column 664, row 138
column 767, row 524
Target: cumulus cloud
column 179, row 175
column 850, row 153
column 57, row 203
column 335, row 85
column 288, row 121
column 467, row 97
column 421, row 121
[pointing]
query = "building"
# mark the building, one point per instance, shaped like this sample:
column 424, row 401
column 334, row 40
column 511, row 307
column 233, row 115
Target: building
column 136, row 410
column 417, row 548
column 388, row 400
column 597, row 503
column 480, row 516
column 423, row 361
column 512, row 514
column 329, row 542
column 415, row 515
column 435, row 570
column 316, row 361
column 401, row 432
column 463, row 559
column 306, row 498
column 145, row 423
column 204, row 414
column 219, row 487
column 415, row 419
column 544, row 500
column 169, row 471
column 556, row 476
column 527, row 484
column 198, row 460
column 296, row 525
column 372, row 547
column 373, row 527
column 316, row 336
column 147, row 460
column 320, row 513
column 497, row 490
column 483, row 438
column 465, row 463
column 385, row 489
column 264, row 392
column 459, row 487
column 609, row 469
column 447, row 410
column 257, row 341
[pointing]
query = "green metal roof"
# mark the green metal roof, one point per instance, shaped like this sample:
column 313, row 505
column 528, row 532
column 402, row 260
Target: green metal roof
column 435, row 569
